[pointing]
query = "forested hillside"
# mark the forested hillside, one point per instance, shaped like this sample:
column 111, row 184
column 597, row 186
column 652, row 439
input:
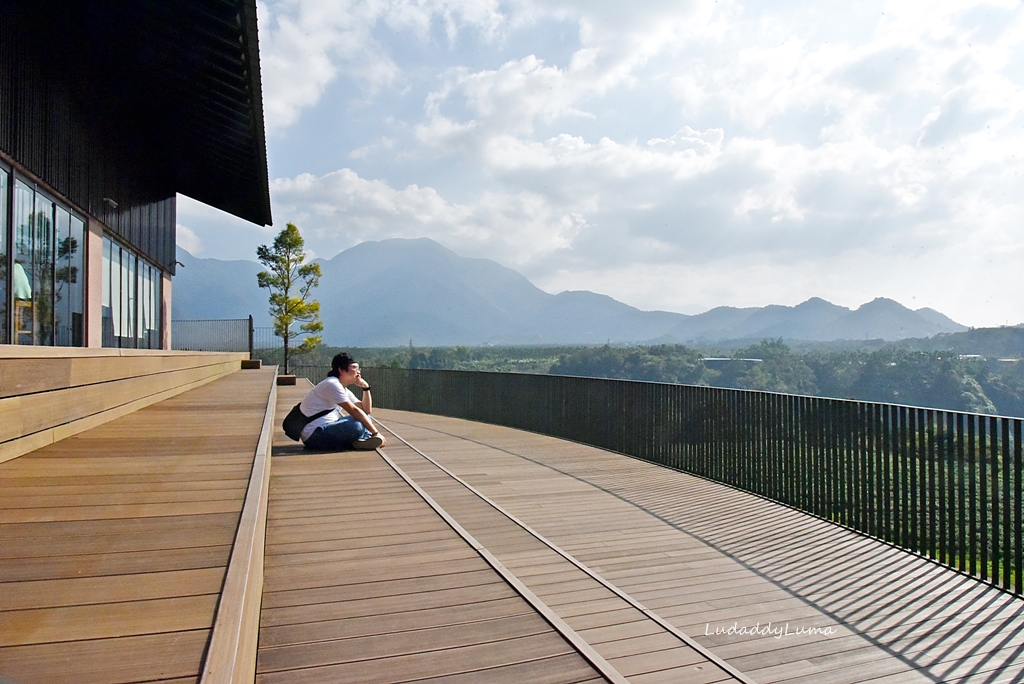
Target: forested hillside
column 938, row 379
column 974, row 371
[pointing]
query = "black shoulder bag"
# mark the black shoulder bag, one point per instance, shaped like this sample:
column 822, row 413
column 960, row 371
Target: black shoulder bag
column 296, row 420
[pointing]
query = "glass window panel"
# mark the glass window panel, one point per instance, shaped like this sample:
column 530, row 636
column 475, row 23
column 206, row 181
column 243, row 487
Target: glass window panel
column 140, row 280
column 131, row 287
column 109, row 338
column 122, row 307
column 4, row 180
column 22, row 277
column 149, row 300
column 150, row 308
column 158, row 317
column 76, row 282
column 42, row 270
column 126, row 329
column 62, row 277
column 131, row 298
column 153, row 327
column 116, row 304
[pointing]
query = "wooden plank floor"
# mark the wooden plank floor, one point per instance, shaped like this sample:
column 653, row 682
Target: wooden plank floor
column 637, row 646
column 365, row 582
column 707, row 558
column 114, row 542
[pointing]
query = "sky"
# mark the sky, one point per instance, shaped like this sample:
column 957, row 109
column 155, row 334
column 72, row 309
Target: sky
column 675, row 155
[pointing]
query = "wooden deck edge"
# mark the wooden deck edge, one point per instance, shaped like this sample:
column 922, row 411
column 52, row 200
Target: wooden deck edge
column 22, row 445
column 568, row 633
column 668, row 626
column 17, row 351
column 231, row 655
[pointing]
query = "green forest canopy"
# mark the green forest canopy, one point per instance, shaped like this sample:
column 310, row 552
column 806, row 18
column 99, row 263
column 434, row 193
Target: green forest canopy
column 913, row 372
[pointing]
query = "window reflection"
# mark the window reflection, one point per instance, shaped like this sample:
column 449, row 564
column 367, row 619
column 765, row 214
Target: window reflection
column 107, row 314
column 24, row 311
column 68, row 300
column 4, row 180
column 131, row 299
column 42, row 271
column 46, row 285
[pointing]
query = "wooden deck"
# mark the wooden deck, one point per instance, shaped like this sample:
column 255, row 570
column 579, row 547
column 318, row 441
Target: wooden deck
column 366, row 582
column 462, row 552
column 705, row 558
column 114, row 542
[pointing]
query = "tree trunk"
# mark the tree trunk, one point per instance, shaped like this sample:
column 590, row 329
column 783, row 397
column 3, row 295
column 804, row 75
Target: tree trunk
column 286, row 352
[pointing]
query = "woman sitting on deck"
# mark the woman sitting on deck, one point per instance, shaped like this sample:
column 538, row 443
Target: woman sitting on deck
column 336, row 431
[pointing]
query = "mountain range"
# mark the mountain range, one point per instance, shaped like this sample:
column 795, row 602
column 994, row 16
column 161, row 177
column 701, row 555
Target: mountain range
column 386, row 293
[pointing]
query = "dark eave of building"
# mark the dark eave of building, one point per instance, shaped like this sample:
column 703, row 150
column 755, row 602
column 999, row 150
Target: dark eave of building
column 173, row 84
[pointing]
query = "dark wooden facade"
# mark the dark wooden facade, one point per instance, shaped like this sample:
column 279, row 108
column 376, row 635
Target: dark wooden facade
column 132, row 102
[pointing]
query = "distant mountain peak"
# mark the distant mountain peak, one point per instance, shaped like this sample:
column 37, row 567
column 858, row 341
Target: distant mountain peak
column 416, row 288
column 879, row 302
column 819, row 303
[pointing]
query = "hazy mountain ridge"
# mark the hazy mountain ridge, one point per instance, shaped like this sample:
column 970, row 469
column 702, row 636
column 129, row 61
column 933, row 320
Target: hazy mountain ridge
column 211, row 288
column 386, row 293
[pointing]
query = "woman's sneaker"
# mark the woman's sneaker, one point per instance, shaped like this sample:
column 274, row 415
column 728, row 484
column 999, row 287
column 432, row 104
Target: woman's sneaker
column 368, row 444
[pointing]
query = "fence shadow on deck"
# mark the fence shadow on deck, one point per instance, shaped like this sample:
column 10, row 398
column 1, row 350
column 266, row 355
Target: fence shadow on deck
column 887, row 596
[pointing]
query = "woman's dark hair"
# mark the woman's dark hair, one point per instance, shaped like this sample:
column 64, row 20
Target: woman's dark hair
column 340, row 363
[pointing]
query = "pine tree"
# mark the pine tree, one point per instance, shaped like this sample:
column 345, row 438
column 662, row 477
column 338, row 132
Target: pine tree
column 291, row 282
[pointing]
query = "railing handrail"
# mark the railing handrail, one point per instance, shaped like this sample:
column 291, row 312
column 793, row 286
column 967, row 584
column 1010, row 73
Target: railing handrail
column 209, row 320
column 682, row 384
column 208, row 334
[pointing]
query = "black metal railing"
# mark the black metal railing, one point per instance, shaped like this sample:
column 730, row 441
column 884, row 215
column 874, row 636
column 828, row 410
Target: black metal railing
column 226, row 334
column 264, row 338
column 268, row 347
column 947, row 485
column 313, row 373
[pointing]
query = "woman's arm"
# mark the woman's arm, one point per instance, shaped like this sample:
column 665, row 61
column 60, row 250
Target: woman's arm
column 366, row 403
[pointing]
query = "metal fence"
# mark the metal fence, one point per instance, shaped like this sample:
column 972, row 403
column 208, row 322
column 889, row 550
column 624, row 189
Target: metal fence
column 263, row 338
column 313, row 373
column 267, row 346
column 226, row 334
column 947, row 485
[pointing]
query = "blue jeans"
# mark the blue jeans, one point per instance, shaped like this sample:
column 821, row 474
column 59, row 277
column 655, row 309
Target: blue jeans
column 337, row 436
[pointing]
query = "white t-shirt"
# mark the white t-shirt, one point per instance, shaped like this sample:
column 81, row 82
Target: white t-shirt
column 326, row 395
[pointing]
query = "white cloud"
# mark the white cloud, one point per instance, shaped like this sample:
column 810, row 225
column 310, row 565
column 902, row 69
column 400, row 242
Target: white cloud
column 307, row 44
column 782, row 150
column 304, row 45
column 187, row 240
column 341, row 209
column 509, row 99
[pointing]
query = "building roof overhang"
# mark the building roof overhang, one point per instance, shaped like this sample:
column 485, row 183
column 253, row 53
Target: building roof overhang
column 174, row 84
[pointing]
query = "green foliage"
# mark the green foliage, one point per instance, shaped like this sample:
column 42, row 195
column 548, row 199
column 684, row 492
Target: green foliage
column 896, row 375
column 498, row 359
column 892, row 374
column 935, row 379
column 662, row 363
column 291, row 283
column 780, row 369
column 66, row 248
